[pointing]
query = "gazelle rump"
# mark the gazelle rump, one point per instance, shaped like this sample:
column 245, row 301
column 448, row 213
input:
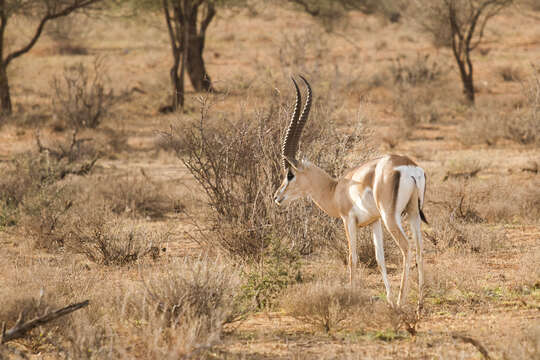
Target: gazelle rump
column 375, row 193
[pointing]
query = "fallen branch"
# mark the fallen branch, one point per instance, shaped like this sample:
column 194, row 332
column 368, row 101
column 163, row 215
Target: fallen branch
column 20, row 329
column 462, row 175
column 474, row 343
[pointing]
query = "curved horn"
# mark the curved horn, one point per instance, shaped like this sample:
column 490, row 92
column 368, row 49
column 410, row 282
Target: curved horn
column 305, row 111
column 290, row 144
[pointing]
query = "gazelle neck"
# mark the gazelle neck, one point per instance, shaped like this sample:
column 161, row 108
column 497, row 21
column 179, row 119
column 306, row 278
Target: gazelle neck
column 322, row 189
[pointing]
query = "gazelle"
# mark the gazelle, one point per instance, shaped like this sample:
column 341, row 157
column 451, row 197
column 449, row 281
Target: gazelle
column 375, row 193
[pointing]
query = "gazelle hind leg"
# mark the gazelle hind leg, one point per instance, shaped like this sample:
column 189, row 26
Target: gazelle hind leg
column 414, row 221
column 393, row 225
column 390, row 206
column 379, row 254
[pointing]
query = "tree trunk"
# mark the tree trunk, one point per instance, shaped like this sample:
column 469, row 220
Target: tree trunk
column 177, row 85
column 5, row 97
column 468, row 87
column 195, row 62
column 463, row 60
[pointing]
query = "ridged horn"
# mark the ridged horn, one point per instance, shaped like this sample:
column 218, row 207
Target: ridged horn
column 290, row 144
column 305, row 112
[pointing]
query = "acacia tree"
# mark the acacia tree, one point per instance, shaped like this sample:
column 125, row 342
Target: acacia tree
column 42, row 10
column 187, row 22
column 464, row 22
column 187, row 37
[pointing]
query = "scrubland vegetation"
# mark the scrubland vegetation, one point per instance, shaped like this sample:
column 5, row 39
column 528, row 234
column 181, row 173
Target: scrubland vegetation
column 164, row 219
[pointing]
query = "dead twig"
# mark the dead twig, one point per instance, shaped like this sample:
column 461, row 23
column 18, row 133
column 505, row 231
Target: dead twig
column 20, row 328
column 473, row 342
column 66, row 151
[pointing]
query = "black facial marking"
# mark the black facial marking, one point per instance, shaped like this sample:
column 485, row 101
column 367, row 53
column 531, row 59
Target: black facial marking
column 290, row 175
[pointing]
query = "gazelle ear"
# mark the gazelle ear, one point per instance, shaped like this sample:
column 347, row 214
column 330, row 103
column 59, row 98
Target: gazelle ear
column 292, row 163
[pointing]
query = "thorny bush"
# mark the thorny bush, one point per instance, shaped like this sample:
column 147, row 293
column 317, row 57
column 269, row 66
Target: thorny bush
column 237, row 162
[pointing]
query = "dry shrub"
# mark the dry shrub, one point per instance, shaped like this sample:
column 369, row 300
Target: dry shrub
column 526, row 346
column 29, row 182
column 45, row 214
column 524, row 126
column 510, row 73
column 105, row 239
column 415, row 105
column 457, row 214
column 455, row 281
column 432, row 18
column 323, row 303
column 89, row 339
column 34, row 193
column 30, row 172
column 137, row 196
column 304, row 51
column 278, row 268
column 177, row 311
column 66, row 217
column 81, row 97
column 473, row 130
column 183, row 308
column 338, row 248
column 68, row 33
column 237, row 163
column 195, row 288
column 533, row 4
column 418, row 72
column 331, row 305
column 510, row 201
column 447, row 232
column 521, row 125
column 526, row 280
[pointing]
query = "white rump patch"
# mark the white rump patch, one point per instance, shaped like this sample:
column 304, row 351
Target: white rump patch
column 417, row 173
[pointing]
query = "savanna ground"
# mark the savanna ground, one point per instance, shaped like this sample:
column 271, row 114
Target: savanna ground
column 139, row 238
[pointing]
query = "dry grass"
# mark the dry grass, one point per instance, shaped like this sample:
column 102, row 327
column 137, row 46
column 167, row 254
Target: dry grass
column 106, row 239
column 521, row 125
column 182, row 309
column 527, row 346
column 455, row 282
column 98, row 234
column 136, row 196
column 417, row 72
column 323, row 303
column 175, row 312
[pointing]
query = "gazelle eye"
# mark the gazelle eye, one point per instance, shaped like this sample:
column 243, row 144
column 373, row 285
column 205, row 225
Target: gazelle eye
column 290, row 176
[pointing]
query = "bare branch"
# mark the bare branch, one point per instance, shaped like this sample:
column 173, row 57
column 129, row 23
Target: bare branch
column 51, row 15
column 211, row 12
column 474, row 343
column 20, row 328
column 172, row 36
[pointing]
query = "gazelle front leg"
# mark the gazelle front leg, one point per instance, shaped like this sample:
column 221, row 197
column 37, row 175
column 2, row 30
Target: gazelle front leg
column 350, row 230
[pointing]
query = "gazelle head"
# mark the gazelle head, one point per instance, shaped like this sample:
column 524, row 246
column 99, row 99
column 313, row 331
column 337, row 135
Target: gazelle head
column 296, row 181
